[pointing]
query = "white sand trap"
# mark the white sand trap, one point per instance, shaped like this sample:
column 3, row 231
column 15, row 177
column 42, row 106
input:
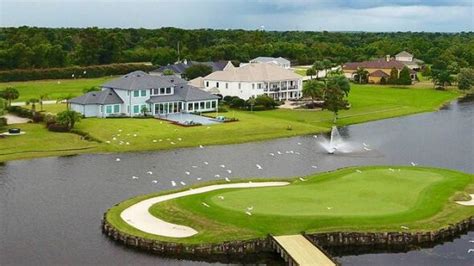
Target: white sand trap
column 467, row 203
column 139, row 217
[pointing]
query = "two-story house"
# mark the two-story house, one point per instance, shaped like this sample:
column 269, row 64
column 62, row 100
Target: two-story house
column 255, row 79
column 138, row 92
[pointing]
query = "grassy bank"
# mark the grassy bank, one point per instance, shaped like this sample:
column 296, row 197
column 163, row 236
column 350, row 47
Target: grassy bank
column 419, row 198
column 368, row 103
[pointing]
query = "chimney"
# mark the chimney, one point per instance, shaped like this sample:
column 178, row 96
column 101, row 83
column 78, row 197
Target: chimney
column 387, row 58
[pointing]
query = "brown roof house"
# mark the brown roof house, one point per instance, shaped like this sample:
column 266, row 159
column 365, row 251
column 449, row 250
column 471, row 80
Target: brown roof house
column 378, row 69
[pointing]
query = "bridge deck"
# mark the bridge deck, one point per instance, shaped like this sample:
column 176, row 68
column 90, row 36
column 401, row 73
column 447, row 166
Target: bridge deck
column 302, row 251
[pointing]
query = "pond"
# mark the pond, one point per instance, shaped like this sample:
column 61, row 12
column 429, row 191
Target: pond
column 51, row 208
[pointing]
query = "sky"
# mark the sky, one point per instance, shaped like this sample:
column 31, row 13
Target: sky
column 315, row 15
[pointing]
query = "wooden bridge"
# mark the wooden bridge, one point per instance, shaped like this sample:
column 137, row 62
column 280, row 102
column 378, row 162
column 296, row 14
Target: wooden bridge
column 297, row 250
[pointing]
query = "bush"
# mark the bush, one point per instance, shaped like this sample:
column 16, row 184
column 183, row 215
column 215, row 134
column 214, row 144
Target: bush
column 3, row 122
column 49, row 119
column 228, row 99
column 55, row 127
column 67, row 72
column 265, row 101
column 237, row 103
column 20, row 111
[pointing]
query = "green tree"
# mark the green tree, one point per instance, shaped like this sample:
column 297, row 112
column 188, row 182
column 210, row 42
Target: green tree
column 10, row 94
column 313, row 89
column 318, row 66
column 68, row 118
column 266, row 101
column 198, row 70
column 361, row 75
column 164, row 56
column 310, row 72
column 144, row 110
column 327, row 65
column 453, row 68
column 335, row 95
column 33, row 102
column 404, row 78
column 426, row 71
column 393, row 79
column 441, row 78
column 466, row 79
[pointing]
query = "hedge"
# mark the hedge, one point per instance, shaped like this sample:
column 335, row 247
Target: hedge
column 67, row 72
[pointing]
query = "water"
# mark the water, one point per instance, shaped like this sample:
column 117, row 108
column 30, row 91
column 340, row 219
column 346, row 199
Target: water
column 51, row 208
column 337, row 144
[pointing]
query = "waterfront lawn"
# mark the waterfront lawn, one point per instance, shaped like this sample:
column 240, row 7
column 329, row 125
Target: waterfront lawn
column 416, row 197
column 39, row 142
column 55, row 89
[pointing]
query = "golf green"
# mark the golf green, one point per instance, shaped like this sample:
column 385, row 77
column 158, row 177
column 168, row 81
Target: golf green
column 370, row 198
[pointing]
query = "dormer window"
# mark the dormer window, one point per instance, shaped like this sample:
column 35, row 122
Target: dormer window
column 168, row 90
column 162, row 91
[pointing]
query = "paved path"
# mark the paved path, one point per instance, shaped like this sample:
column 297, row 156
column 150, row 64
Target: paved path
column 13, row 119
column 303, row 252
column 139, row 217
column 24, row 103
column 467, row 203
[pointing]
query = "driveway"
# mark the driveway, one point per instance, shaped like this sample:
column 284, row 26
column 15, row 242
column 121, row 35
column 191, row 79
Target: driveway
column 13, row 119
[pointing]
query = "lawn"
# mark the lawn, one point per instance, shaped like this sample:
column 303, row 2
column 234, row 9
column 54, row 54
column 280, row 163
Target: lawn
column 416, row 197
column 39, row 142
column 55, row 89
column 368, row 103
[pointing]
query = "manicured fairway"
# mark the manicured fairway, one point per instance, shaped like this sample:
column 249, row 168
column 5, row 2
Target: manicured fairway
column 352, row 199
column 54, row 88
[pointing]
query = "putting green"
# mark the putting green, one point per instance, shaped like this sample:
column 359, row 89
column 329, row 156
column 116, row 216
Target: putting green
column 352, row 199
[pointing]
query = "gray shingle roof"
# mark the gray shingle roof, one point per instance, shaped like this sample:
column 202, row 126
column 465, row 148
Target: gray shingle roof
column 138, row 80
column 180, row 68
column 106, row 96
column 185, row 93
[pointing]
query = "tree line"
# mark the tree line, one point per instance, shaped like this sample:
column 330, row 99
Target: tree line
column 32, row 47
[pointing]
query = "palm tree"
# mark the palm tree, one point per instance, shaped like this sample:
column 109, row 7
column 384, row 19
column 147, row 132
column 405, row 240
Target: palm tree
column 311, row 72
column 318, row 66
column 361, row 74
column 10, row 94
column 313, row 89
column 327, row 65
column 65, row 98
column 42, row 98
column 32, row 102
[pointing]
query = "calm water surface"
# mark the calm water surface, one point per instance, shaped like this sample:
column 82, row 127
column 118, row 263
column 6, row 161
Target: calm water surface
column 51, row 208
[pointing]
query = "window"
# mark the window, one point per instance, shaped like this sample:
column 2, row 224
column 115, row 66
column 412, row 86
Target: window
column 168, row 90
column 162, row 90
column 108, row 109
column 156, row 91
column 259, row 85
column 208, row 105
column 136, row 93
column 196, row 106
column 136, row 109
column 207, row 84
column 202, row 105
column 143, row 93
column 227, row 85
column 117, row 108
column 253, row 86
column 214, row 104
column 190, row 106
column 217, row 84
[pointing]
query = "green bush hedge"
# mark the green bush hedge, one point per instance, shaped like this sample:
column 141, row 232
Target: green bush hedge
column 67, row 72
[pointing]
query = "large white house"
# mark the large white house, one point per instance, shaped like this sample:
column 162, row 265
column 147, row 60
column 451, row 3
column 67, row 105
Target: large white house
column 279, row 61
column 255, row 79
column 130, row 94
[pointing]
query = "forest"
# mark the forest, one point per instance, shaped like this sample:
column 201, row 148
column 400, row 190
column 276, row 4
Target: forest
column 32, row 47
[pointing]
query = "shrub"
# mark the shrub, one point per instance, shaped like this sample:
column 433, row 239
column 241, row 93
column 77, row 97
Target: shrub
column 228, row 99
column 266, row 101
column 404, row 78
column 71, row 72
column 49, row 119
column 20, row 111
column 56, row 127
column 3, row 122
column 237, row 103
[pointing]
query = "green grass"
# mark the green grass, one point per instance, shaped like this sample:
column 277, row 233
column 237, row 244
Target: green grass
column 368, row 103
column 54, row 88
column 418, row 197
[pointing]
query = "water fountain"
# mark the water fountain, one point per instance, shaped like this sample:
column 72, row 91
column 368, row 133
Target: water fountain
column 336, row 143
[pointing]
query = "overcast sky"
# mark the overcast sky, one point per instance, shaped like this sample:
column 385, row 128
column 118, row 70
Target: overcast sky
column 335, row 15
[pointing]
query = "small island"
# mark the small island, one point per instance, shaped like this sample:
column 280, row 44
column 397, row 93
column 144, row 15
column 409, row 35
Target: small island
column 418, row 203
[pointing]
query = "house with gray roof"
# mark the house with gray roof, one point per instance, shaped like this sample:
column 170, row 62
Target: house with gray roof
column 136, row 92
column 179, row 68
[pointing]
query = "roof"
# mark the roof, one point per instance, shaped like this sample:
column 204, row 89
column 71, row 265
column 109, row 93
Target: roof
column 180, row 68
column 185, row 93
column 197, row 82
column 377, row 64
column 139, row 80
column 106, row 96
column 404, row 54
column 266, row 59
column 254, row 72
column 379, row 73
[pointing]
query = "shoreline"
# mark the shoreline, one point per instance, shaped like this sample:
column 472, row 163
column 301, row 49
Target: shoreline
column 230, row 142
column 336, row 243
